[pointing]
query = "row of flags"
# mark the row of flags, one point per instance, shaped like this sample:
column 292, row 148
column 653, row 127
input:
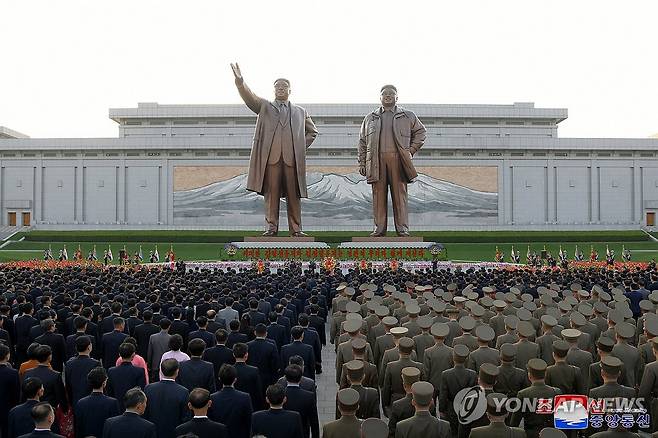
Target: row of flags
column 563, row 256
column 154, row 255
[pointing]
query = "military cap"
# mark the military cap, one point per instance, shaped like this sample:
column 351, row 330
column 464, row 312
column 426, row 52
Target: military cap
column 624, row 330
column 653, row 297
column 341, row 286
column 539, row 365
column 525, row 329
column 452, row 309
column 428, row 296
column 368, row 294
column 419, row 288
column 412, row 309
column 611, row 364
column 488, row 373
column 466, row 323
column 470, row 305
column 355, row 370
column 452, row 287
column 409, row 284
column 459, row 299
column 358, row 344
column 646, row 305
column 500, row 304
column 423, row 393
column 571, row 335
column 447, row 297
column 388, row 288
column 348, row 397
column 604, row 343
column 410, row 375
column 551, row 432
column 487, row 302
column 586, row 310
column 524, row 314
column 342, row 305
column 488, row 289
column 363, row 287
column 378, row 299
column 374, row 428
column 354, row 317
column 372, row 287
column 461, row 350
column 406, row 345
column 546, row 300
column 582, row 293
column 616, row 316
column 527, row 298
column 438, row 292
column 381, row 311
column 560, row 346
column 557, row 330
column 440, row 329
column 398, row 332
column 605, row 296
column 575, row 287
column 353, row 307
column 472, row 295
column 600, row 307
column 548, row 320
column 390, row 321
column 349, row 291
column 496, row 405
column 654, row 341
column 510, row 297
column 530, row 306
column 499, row 296
column 352, row 325
column 438, row 306
column 651, row 325
column 515, row 290
column 371, row 306
column 485, row 333
column 626, row 311
column 425, row 322
column 564, row 306
column 478, row 311
column 508, row 352
column 577, row 319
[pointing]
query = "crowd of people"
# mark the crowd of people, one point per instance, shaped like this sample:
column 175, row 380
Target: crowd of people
column 119, row 352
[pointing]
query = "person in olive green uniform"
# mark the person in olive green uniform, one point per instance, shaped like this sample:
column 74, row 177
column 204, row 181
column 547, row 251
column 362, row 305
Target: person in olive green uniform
column 403, row 408
column 344, row 353
column 452, row 381
column 627, row 353
column 373, row 428
column 467, row 324
column 487, row 376
column 484, row 353
column 497, row 413
column 551, row 432
column 358, row 352
column 424, row 340
column 348, row 425
column 510, row 336
column 610, row 370
column 392, row 389
column 525, row 348
column 575, row 356
column 545, row 341
column 510, row 379
column 438, row 358
column 386, row 341
column 604, row 345
column 422, row 424
column 649, row 387
column 533, row 423
column 562, row 375
column 368, row 397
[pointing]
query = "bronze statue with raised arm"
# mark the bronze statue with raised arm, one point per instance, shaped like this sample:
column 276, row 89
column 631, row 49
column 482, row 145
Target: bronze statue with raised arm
column 390, row 136
column 277, row 167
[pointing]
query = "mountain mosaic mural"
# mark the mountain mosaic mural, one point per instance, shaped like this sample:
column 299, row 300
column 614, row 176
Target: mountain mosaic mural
column 336, row 201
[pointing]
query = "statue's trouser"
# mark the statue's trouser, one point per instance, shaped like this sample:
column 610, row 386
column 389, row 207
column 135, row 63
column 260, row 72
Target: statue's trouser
column 282, row 179
column 390, row 175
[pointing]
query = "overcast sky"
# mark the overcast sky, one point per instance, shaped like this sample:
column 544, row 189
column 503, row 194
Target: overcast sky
column 64, row 63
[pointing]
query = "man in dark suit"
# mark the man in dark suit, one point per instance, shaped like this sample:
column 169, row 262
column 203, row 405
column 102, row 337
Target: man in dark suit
column 23, row 324
column 43, row 415
column 80, row 323
column 52, row 380
column 77, row 369
column 312, row 338
column 20, row 420
column 276, row 422
column 276, row 332
column 125, row 376
column 92, row 411
column 263, row 355
column 230, row 406
column 220, row 353
column 10, row 388
column 203, row 333
column 249, row 378
column 298, row 348
column 196, row 373
column 301, row 401
column 111, row 341
column 129, row 424
column 143, row 332
column 56, row 343
column 178, row 326
column 452, row 381
column 132, row 321
column 255, row 317
column 318, row 323
column 107, row 324
column 235, row 336
column 167, row 401
column 200, row 425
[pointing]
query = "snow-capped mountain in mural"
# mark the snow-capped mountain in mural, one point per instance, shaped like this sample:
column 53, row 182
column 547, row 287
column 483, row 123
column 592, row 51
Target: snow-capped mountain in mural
column 333, row 198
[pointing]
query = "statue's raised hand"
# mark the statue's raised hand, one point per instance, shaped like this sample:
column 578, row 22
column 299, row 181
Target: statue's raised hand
column 236, row 72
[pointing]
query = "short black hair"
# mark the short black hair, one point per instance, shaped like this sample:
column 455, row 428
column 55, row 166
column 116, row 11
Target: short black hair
column 221, row 335
column 392, row 87
column 293, row 373
column 4, row 351
column 175, row 342
column 297, row 332
column 275, row 394
column 41, row 411
column 199, row 398
column 261, row 329
column 126, row 350
column 97, row 377
column 118, row 321
column 169, row 367
column 227, row 374
column 133, row 397
column 31, row 387
column 165, row 323
column 296, row 360
column 234, row 325
column 81, row 343
column 43, row 353
column 196, row 346
column 79, row 322
column 240, row 350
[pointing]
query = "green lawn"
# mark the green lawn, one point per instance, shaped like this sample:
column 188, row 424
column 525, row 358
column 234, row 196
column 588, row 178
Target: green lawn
column 209, row 245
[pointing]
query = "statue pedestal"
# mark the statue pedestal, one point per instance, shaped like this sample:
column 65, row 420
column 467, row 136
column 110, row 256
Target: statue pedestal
column 387, row 239
column 278, row 239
